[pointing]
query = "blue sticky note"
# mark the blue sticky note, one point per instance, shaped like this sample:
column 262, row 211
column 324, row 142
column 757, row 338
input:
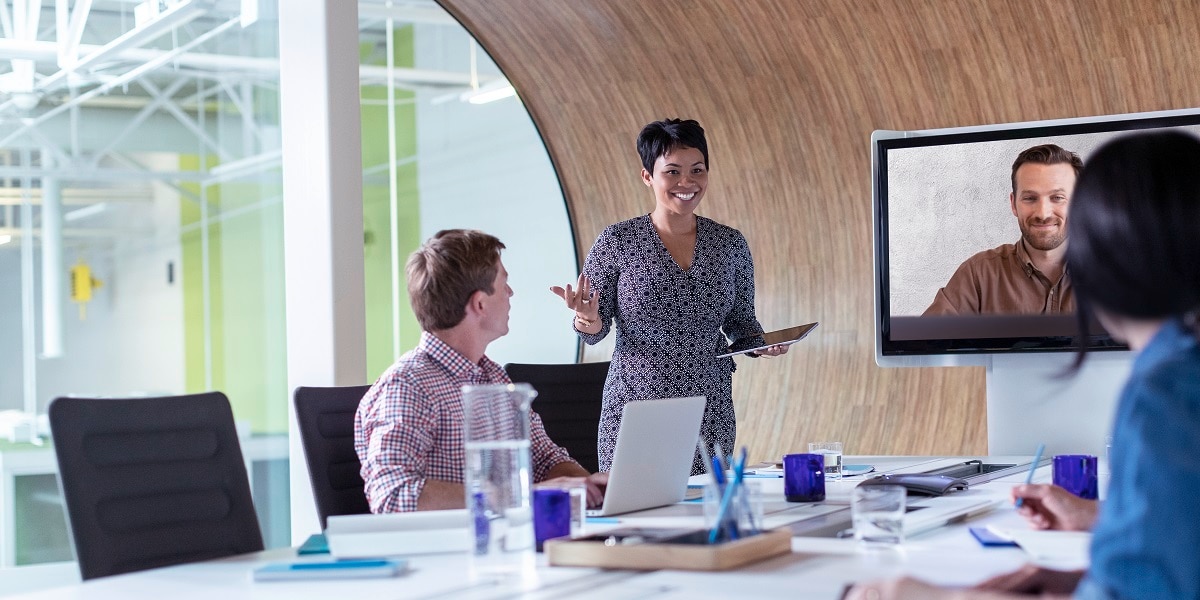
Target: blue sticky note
column 989, row 538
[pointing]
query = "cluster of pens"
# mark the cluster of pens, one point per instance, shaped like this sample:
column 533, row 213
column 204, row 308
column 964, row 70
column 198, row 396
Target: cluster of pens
column 735, row 516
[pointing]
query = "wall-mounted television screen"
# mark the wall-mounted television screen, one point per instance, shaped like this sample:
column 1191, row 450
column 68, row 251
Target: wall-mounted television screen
column 965, row 248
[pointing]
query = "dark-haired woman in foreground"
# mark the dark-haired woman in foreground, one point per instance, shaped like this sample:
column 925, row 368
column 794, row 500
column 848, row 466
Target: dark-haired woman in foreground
column 1134, row 255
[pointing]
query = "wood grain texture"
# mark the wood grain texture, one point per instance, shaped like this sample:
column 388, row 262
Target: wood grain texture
column 789, row 92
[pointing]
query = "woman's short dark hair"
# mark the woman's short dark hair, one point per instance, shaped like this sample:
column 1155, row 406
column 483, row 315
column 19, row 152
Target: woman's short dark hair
column 661, row 137
column 1134, row 246
column 446, row 270
column 1046, row 154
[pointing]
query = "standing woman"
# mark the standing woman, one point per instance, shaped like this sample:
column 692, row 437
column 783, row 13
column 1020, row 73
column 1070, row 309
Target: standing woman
column 1134, row 257
column 678, row 287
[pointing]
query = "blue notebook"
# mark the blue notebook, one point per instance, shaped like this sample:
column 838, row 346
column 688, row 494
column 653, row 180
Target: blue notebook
column 315, row 544
column 331, row 569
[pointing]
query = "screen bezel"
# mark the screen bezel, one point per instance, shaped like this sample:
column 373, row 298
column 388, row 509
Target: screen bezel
column 977, row 350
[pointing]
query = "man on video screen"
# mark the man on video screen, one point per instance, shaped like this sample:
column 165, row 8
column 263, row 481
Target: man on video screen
column 1028, row 277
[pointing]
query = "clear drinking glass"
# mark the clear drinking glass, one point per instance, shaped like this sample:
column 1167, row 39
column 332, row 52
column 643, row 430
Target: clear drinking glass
column 833, row 457
column 878, row 514
column 498, row 478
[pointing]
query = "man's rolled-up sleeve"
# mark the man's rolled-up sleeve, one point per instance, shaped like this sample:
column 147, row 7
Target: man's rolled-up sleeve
column 394, row 437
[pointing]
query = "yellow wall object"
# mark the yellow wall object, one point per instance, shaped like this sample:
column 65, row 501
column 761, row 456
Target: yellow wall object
column 82, row 286
column 81, row 283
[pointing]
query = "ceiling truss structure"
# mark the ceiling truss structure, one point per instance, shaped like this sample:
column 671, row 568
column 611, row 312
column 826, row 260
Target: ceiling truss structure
column 199, row 66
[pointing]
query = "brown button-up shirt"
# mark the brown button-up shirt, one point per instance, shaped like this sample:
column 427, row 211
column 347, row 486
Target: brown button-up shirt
column 1002, row 280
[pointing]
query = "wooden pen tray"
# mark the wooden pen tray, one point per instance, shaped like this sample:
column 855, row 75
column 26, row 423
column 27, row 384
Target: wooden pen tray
column 650, row 549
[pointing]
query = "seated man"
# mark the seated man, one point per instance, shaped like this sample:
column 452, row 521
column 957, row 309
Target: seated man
column 1028, row 277
column 408, row 431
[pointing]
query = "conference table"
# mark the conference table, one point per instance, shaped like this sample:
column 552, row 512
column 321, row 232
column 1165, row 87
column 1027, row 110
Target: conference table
column 817, row 567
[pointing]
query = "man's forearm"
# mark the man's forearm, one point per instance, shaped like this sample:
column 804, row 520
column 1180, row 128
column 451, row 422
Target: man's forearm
column 439, row 494
column 567, row 468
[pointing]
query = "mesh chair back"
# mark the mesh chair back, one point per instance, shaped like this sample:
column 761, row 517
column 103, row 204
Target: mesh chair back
column 568, row 401
column 325, row 416
column 152, row 482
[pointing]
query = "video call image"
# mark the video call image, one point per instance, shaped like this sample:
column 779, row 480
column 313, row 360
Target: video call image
column 946, row 203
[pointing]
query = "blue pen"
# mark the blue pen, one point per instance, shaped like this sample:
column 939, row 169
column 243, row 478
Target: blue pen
column 718, row 466
column 722, row 511
column 709, row 466
column 1037, row 458
column 718, row 475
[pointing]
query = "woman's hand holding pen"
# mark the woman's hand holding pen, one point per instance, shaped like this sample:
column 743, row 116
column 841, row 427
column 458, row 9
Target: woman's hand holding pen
column 581, row 299
column 1052, row 507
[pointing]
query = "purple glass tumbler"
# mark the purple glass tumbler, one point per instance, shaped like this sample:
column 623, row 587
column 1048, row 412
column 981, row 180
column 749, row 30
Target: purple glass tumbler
column 551, row 514
column 804, row 477
column 1078, row 474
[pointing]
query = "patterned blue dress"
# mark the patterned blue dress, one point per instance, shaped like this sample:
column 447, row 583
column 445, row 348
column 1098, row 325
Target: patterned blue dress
column 671, row 324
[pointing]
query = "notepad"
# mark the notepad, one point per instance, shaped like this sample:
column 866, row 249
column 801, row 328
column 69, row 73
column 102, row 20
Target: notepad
column 1055, row 549
column 368, row 536
column 331, row 569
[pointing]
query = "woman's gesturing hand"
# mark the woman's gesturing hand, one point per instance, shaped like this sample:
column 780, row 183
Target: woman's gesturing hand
column 581, row 299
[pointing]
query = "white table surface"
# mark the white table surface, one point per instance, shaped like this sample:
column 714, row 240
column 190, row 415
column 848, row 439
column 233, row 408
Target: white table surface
column 816, row 568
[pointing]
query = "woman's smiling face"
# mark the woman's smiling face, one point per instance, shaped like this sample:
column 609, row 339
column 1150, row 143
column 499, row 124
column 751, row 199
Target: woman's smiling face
column 679, row 180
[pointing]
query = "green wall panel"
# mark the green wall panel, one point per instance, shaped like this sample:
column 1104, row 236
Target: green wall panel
column 377, row 221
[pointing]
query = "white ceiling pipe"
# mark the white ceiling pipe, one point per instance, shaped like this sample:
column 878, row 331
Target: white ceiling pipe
column 68, row 55
column 103, row 174
column 10, row 197
column 83, row 233
column 6, row 20
column 167, row 21
column 47, row 52
column 62, row 24
column 249, row 164
column 126, row 77
column 406, row 14
column 52, row 263
column 28, row 323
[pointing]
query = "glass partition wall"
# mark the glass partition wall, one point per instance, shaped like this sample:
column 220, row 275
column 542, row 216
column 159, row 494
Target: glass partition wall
column 141, row 247
column 140, row 209
column 447, row 143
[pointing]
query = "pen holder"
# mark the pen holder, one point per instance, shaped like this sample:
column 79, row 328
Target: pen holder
column 745, row 510
column 652, row 549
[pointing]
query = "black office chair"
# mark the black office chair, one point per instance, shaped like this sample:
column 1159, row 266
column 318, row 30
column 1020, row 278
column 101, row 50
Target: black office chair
column 326, row 419
column 152, row 482
column 569, row 400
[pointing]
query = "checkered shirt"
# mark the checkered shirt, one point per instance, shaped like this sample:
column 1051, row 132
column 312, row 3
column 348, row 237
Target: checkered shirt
column 409, row 425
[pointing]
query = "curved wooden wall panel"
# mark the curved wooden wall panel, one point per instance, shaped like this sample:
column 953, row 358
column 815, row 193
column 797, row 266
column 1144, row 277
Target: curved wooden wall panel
column 789, row 92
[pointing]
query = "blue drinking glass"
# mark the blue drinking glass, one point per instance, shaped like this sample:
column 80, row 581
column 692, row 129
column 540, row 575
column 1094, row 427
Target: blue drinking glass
column 1077, row 473
column 551, row 514
column 804, row 477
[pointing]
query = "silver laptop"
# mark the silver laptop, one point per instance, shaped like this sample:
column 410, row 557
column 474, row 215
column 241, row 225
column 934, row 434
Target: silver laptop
column 653, row 457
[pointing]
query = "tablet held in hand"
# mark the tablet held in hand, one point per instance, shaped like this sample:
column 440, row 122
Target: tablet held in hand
column 782, row 337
